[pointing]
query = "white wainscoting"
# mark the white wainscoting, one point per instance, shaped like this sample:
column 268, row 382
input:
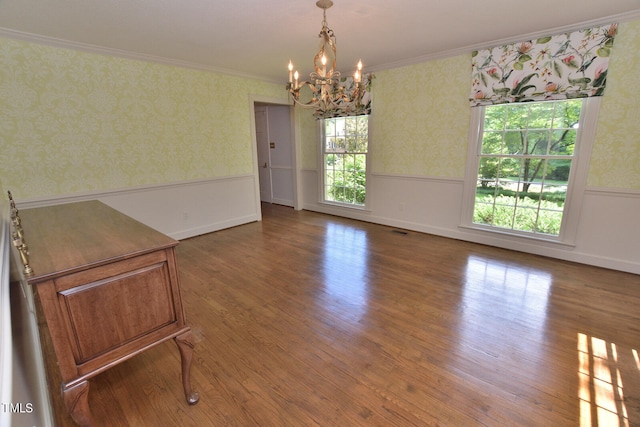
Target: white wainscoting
column 607, row 236
column 180, row 210
column 608, row 233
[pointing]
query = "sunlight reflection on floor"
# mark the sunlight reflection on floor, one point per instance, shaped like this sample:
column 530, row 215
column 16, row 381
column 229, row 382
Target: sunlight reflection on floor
column 602, row 380
column 496, row 293
column 503, row 303
column 496, row 290
column 345, row 264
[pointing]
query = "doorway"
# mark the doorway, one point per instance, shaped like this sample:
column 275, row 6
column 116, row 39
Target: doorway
column 275, row 153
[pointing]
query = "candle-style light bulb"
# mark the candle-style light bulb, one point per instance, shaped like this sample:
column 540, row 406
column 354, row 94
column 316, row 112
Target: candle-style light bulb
column 357, row 76
column 290, row 70
column 295, row 76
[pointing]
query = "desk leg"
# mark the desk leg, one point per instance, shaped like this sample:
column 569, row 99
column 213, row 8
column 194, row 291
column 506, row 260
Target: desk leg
column 185, row 345
column 76, row 399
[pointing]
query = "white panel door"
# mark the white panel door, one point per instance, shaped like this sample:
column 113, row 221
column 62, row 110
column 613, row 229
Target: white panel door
column 275, row 154
column 281, row 154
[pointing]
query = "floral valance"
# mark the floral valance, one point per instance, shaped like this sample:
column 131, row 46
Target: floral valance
column 342, row 105
column 570, row 65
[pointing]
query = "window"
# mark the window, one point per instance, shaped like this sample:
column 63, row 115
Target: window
column 523, row 171
column 344, row 159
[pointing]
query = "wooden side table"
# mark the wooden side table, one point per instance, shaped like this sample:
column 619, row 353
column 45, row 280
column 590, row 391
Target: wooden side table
column 108, row 286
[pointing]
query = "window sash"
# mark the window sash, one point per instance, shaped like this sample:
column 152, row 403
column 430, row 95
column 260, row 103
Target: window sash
column 577, row 179
column 359, row 150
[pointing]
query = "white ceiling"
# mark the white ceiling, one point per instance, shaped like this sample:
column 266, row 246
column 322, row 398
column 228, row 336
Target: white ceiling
column 257, row 38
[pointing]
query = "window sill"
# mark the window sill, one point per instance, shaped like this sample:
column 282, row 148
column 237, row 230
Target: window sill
column 518, row 236
column 344, row 205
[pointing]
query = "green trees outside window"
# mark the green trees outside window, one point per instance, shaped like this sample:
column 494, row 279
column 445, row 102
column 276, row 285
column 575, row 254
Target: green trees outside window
column 526, row 153
column 345, row 148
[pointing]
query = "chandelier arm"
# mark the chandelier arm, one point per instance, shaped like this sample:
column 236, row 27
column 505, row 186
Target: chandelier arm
column 295, row 95
column 332, row 96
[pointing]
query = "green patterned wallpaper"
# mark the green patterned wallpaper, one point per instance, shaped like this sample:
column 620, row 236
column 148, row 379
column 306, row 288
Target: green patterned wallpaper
column 309, row 132
column 421, row 118
column 73, row 121
column 615, row 160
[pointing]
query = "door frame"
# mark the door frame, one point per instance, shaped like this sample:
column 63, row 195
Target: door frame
column 265, row 178
column 265, row 100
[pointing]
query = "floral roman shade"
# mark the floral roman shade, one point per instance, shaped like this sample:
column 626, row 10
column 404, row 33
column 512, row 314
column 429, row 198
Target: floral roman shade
column 570, row 65
column 345, row 106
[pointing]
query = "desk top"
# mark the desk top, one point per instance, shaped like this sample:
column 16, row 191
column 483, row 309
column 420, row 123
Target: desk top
column 72, row 237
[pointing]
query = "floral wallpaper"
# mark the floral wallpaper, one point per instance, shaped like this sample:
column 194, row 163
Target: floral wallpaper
column 73, row 122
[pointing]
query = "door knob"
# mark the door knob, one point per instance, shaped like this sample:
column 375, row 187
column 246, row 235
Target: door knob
column 265, row 165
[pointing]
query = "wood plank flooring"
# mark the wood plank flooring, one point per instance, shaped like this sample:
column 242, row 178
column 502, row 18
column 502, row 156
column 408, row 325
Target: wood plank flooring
column 305, row 319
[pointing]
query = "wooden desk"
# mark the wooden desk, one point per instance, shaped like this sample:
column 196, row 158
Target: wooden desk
column 108, row 287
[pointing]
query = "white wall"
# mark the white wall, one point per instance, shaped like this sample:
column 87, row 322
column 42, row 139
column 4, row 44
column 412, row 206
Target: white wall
column 180, row 210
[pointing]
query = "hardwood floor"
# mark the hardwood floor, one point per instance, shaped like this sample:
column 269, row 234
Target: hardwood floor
column 305, row 319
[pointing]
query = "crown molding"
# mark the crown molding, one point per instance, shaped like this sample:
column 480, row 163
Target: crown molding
column 89, row 48
column 622, row 17
column 101, row 50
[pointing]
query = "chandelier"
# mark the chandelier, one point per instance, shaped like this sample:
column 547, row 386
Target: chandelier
column 326, row 90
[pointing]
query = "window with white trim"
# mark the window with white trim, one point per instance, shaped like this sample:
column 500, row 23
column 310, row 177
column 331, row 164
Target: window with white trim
column 527, row 167
column 344, row 159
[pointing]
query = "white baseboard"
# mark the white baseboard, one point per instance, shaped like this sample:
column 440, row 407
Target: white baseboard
column 210, row 228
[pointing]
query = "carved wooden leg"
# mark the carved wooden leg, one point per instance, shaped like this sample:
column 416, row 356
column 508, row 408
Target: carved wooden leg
column 76, row 399
column 185, row 345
